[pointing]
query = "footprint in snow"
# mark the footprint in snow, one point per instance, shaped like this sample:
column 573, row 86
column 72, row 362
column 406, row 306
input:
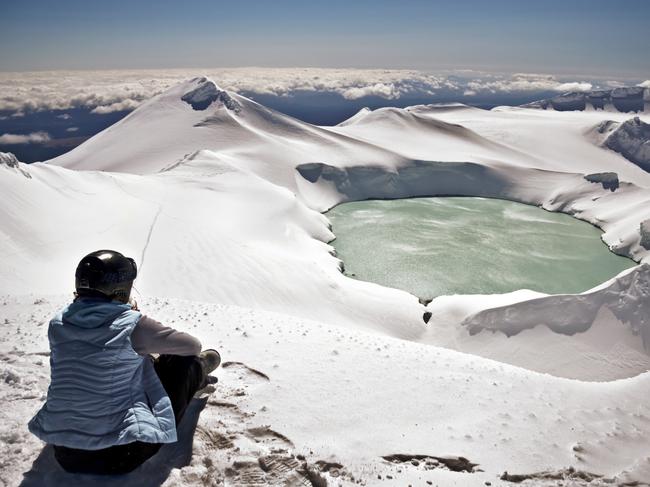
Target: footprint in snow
column 231, row 449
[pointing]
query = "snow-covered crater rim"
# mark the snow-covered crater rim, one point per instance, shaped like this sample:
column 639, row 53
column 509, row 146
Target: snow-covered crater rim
column 592, row 198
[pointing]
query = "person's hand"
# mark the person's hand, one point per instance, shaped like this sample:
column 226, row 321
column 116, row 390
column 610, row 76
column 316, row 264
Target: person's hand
column 134, row 304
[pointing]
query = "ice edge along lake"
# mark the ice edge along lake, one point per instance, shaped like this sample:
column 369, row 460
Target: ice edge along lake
column 468, row 245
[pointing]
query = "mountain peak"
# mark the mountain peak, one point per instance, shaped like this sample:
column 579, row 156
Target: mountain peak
column 206, row 93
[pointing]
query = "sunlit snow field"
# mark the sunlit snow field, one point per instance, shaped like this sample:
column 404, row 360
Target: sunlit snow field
column 457, row 245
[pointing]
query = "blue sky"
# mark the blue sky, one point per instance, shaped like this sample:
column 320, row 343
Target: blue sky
column 571, row 36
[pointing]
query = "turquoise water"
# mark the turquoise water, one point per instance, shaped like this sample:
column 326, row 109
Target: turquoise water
column 458, row 245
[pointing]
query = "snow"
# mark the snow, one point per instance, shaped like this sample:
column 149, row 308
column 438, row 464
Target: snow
column 221, row 208
column 353, row 399
column 627, row 297
column 356, row 117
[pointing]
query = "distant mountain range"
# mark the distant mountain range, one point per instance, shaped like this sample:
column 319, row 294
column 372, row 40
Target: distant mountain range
column 630, row 99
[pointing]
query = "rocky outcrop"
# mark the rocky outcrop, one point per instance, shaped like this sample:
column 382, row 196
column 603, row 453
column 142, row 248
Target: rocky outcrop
column 644, row 230
column 9, row 160
column 569, row 101
column 598, row 98
column 631, row 139
column 207, row 93
column 609, row 180
column 630, row 99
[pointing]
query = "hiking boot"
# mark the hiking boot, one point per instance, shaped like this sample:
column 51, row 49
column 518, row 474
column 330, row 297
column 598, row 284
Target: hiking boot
column 210, row 360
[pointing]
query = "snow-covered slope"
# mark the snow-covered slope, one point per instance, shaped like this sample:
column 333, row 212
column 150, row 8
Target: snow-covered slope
column 205, row 230
column 555, row 140
column 297, row 400
column 219, row 198
column 167, row 128
column 234, row 219
column 418, row 134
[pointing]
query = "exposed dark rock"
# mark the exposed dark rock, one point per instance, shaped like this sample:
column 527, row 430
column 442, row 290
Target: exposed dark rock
column 565, row 474
column 8, row 159
column 206, row 93
column 630, row 99
column 632, row 140
column 644, row 230
column 599, row 98
column 569, row 101
column 606, row 126
column 609, row 180
column 311, row 171
column 455, row 464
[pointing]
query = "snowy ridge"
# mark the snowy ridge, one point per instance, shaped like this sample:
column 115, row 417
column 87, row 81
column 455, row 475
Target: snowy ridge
column 165, row 129
column 627, row 297
column 555, row 191
column 222, row 205
column 356, row 117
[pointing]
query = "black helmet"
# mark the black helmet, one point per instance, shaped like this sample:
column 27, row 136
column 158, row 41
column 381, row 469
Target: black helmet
column 106, row 273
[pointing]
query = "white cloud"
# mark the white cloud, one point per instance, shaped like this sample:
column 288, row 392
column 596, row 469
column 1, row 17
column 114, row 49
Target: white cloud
column 64, row 116
column 119, row 106
column 575, row 86
column 645, row 84
column 33, row 138
column 525, row 82
column 614, row 84
column 109, row 91
column 382, row 90
column 72, row 129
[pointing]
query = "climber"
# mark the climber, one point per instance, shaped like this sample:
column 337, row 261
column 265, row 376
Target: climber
column 111, row 405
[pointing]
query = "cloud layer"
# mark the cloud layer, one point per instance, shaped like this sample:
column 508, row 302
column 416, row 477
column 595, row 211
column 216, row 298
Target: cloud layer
column 110, row 91
column 33, row 138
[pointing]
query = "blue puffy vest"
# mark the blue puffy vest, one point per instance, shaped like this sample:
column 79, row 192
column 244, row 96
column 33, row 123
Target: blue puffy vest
column 102, row 393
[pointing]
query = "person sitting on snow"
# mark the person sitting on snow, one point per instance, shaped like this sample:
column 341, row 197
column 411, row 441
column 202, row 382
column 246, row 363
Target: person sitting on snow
column 110, row 405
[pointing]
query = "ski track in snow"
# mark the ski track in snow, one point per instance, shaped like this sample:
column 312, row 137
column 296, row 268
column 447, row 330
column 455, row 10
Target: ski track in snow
column 146, row 244
column 151, row 227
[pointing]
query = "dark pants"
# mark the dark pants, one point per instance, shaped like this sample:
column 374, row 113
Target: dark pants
column 181, row 377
